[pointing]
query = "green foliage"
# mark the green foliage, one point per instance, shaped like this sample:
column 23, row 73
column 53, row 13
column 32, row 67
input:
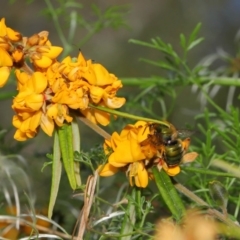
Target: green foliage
column 67, row 15
column 123, row 212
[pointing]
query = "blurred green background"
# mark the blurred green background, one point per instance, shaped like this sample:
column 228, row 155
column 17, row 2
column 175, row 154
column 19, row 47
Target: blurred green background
column 145, row 19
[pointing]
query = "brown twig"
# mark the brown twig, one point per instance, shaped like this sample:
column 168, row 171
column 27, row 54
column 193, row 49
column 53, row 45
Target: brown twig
column 88, row 200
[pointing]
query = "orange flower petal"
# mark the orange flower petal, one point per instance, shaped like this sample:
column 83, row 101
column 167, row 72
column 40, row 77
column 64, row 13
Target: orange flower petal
column 102, row 75
column 3, row 28
column 107, row 170
column 96, row 94
column 5, row 59
column 34, row 101
column 52, row 52
column 47, row 124
column 44, row 62
column 141, row 180
column 4, row 75
column 127, row 151
column 114, row 102
column 20, row 136
column 13, row 35
column 102, row 117
column 39, row 82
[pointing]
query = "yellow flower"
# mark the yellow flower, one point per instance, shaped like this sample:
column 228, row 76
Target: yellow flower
column 96, row 116
column 134, row 152
column 26, row 127
column 8, row 32
column 41, row 51
column 137, row 174
column 31, row 97
column 127, row 155
column 75, row 95
column 59, row 113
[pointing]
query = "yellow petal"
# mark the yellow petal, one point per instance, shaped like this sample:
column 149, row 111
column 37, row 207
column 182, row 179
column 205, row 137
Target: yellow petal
column 107, row 170
column 102, row 75
column 47, row 124
column 88, row 113
column 89, row 75
column 114, row 102
column 16, row 121
column 4, row 75
column 22, row 78
column 96, row 94
column 20, row 136
column 39, row 82
column 126, row 152
column 35, row 121
column 102, row 117
column 13, row 35
column 34, row 101
column 5, row 59
column 3, row 28
column 52, row 111
column 141, row 180
column 136, row 150
column 52, row 52
column 44, row 62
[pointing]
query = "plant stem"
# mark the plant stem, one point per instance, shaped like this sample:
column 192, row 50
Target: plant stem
column 127, row 115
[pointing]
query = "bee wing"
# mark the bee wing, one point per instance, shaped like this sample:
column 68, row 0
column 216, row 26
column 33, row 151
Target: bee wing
column 184, row 133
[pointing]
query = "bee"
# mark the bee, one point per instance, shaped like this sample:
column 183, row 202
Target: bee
column 171, row 148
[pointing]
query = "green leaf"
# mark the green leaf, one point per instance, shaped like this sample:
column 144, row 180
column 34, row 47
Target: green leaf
column 183, row 41
column 66, row 146
column 145, row 44
column 194, row 43
column 56, row 174
column 161, row 64
column 194, row 33
column 207, row 171
column 169, row 193
column 76, row 148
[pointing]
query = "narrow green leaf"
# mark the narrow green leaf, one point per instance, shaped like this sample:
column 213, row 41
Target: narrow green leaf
column 194, row 43
column 166, row 66
column 66, row 146
column 76, row 147
column 194, row 33
column 183, row 41
column 159, row 64
column 56, row 174
column 169, row 193
column 145, row 44
column 207, row 171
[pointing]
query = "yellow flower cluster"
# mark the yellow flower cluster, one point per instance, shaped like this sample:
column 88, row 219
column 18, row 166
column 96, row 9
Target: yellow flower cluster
column 51, row 89
column 132, row 152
